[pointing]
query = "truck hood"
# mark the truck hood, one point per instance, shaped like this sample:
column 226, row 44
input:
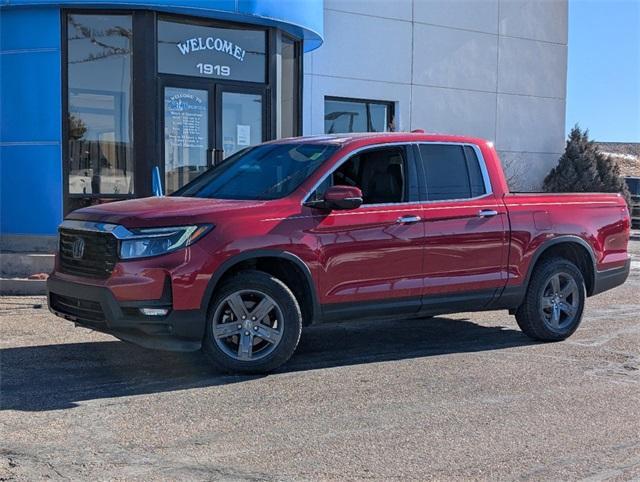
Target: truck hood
column 163, row 211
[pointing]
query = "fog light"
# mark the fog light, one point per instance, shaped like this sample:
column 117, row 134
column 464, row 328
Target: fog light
column 154, row 311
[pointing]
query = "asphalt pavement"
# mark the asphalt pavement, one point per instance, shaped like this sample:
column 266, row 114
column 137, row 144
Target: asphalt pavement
column 465, row 396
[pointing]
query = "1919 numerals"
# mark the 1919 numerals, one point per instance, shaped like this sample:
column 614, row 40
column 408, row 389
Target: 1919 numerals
column 210, row 69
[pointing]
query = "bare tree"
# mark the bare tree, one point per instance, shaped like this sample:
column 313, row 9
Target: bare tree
column 514, row 171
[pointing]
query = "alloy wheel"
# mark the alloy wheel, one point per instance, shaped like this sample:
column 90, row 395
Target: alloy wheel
column 560, row 301
column 247, row 325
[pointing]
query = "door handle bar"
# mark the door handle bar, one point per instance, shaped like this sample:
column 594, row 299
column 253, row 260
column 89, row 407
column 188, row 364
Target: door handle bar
column 408, row 219
column 487, row 213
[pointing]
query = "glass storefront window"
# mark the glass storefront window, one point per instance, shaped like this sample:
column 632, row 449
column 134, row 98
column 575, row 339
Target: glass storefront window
column 99, row 117
column 353, row 115
column 211, row 52
column 218, row 88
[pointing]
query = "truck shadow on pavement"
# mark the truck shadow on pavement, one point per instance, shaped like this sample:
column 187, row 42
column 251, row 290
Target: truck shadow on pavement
column 53, row 377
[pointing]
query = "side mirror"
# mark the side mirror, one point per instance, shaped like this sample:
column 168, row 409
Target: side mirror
column 339, row 198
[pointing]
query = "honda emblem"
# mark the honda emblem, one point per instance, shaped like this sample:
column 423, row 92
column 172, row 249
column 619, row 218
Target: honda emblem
column 77, row 249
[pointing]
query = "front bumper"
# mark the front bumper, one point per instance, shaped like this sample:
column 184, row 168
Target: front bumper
column 606, row 280
column 96, row 307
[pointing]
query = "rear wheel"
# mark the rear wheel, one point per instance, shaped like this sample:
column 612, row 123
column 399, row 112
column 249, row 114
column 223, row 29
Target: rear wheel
column 254, row 324
column 554, row 303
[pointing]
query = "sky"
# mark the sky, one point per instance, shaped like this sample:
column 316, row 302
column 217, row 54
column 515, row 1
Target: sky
column 603, row 77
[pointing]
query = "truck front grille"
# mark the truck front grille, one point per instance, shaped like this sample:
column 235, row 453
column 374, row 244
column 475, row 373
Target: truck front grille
column 97, row 257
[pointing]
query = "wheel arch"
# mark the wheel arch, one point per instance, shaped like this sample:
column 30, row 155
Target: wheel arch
column 573, row 248
column 299, row 279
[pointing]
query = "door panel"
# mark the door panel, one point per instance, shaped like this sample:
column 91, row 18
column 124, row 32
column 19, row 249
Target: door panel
column 463, row 251
column 367, row 255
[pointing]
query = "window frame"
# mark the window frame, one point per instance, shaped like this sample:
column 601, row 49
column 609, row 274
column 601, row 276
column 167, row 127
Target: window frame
column 422, row 174
column 391, row 106
column 412, row 183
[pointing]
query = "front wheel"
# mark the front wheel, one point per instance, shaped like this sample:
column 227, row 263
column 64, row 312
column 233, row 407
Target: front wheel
column 554, row 303
column 254, row 324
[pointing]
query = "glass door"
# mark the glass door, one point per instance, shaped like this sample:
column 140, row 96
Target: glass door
column 204, row 122
column 241, row 118
column 187, row 127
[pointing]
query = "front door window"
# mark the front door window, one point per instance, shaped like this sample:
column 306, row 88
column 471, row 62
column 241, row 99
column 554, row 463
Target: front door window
column 186, row 135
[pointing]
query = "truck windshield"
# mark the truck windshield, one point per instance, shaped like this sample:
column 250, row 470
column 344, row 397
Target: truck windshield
column 267, row 171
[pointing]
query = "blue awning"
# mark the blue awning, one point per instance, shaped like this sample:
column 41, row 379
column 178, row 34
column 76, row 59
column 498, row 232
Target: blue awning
column 301, row 18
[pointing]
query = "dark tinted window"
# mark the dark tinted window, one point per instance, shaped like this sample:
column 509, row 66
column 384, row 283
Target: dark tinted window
column 449, row 173
column 475, row 174
column 268, row 171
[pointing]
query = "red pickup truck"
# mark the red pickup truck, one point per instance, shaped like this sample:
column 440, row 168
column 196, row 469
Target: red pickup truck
column 303, row 230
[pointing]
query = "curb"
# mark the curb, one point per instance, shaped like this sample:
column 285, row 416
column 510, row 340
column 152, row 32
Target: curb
column 23, row 286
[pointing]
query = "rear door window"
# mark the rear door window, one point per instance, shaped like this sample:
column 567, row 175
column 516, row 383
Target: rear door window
column 475, row 173
column 450, row 172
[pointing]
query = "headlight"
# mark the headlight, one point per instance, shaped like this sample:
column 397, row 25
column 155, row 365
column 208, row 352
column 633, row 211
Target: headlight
column 156, row 241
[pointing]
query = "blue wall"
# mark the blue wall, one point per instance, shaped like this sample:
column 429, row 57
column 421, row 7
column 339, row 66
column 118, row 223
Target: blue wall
column 30, row 91
column 30, row 121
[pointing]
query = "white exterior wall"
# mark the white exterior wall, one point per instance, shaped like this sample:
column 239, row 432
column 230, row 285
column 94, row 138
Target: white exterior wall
column 490, row 68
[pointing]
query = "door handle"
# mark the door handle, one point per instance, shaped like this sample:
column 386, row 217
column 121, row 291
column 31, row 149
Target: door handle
column 487, row 213
column 214, row 157
column 408, row 219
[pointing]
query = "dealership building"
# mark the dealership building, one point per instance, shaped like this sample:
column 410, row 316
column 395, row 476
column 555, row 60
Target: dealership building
column 98, row 97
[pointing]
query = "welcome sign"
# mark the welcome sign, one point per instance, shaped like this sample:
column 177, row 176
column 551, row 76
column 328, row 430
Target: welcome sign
column 213, row 52
column 211, row 43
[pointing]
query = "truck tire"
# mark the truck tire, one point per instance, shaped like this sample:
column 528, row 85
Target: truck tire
column 254, row 324
column 554, row 302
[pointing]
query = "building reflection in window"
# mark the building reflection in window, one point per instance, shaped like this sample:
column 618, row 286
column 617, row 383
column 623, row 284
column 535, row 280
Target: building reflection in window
column 99, row 121
column 353, row 115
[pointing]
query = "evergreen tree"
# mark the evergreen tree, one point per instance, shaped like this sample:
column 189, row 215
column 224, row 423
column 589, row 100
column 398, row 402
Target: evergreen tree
column 583, row 168
column 610, row 177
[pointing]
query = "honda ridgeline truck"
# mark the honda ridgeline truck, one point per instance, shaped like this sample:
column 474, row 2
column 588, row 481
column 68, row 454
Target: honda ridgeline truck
column 298, row 231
